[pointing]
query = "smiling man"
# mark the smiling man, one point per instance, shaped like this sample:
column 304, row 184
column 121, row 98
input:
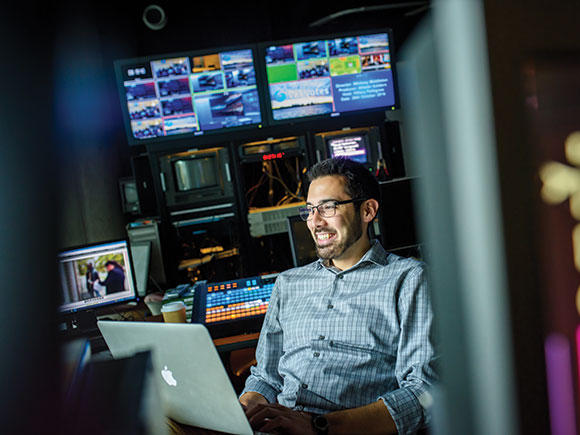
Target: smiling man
column 346, row 346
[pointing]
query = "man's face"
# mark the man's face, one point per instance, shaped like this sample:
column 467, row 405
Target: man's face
column 110, row 267
column 333, row 235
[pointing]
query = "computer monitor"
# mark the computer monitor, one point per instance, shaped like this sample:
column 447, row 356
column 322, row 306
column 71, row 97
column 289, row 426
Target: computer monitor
column 188, row 94
column 328, row 76
column 94, row 276
column 360, row 144
column 301, row 242
column 353, row 147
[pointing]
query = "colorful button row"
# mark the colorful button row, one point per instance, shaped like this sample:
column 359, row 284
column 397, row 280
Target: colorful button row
column 231, row 313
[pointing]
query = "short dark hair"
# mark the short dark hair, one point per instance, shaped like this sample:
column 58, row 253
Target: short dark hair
column 113, row 263
column 360, row 182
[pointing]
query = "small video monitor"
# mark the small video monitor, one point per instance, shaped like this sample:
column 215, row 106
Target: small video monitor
column 194, row 177
column 352, row 146
column 360, row 144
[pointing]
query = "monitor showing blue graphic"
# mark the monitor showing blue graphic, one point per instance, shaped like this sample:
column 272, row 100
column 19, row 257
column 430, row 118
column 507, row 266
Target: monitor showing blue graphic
column 188, row 94
column 330, row 76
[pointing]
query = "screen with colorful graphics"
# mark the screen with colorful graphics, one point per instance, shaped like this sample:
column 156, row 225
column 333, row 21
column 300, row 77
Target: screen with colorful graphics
column 330, row 76
column 234, row 300
column 188, row 94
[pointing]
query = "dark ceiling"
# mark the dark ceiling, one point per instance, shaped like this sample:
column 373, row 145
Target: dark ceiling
column 198, row 25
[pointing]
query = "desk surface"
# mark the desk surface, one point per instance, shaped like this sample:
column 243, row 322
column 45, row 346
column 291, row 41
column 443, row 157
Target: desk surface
column 237, row 342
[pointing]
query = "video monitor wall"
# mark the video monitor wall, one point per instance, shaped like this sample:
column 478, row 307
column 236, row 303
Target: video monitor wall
column 193, row 93
column 330, row 76
column 188, row 94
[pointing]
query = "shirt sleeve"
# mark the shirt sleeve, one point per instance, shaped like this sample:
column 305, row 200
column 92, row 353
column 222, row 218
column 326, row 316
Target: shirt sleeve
column 264, row 378
column 416, row 356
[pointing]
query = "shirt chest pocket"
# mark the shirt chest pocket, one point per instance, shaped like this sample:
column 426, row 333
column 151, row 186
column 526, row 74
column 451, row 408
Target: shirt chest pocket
column 363, row 349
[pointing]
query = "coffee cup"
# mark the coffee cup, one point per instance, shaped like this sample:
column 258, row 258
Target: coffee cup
column 174, row 312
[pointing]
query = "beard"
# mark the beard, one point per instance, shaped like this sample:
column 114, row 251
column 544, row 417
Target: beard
column 336, row 249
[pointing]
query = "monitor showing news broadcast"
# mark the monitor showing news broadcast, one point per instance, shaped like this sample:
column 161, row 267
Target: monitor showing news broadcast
column 188, row 94
column 330, row 75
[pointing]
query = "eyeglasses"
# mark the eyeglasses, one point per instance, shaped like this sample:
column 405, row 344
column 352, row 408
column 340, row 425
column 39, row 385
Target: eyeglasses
column 326, row 209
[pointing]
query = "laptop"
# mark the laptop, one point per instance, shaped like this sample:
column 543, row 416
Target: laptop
column 195, row 388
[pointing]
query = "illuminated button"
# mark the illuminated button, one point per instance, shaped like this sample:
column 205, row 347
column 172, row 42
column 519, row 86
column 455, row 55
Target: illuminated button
column 316, row 354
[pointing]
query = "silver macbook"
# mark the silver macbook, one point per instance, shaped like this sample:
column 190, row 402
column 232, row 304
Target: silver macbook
column 195, row 388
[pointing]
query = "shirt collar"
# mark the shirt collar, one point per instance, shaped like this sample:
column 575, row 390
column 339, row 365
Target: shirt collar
column 376, row 254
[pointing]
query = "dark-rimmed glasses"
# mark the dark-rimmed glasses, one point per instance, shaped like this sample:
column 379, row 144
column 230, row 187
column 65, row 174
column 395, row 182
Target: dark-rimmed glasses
column 326, row 209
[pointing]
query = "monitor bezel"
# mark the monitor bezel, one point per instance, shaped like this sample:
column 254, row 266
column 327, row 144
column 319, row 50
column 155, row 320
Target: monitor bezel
column 267, row 107
column 192, row 136
column 95, row 307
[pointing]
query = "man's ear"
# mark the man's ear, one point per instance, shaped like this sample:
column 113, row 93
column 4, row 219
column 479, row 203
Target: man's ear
column 370, row 208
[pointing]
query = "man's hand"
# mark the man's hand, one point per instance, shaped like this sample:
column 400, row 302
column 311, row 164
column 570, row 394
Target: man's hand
column 251, row 399
column 278, row 419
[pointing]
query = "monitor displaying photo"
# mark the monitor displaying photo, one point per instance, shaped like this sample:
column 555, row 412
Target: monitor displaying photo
column 189, row 94
column 330, row 76
column 95, row 275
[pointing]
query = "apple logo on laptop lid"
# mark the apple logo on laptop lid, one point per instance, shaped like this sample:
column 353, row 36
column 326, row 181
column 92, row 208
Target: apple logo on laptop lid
column 168, row 377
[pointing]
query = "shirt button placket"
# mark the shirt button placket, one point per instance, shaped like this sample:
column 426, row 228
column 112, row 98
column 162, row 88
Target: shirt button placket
column 337, row 279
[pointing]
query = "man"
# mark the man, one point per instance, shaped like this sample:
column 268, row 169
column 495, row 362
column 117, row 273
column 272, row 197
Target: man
column 115, row 281
column 346, row 344
column 91, row 276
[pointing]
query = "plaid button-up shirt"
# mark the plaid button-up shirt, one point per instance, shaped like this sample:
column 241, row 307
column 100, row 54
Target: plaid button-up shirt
column 335, row 340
